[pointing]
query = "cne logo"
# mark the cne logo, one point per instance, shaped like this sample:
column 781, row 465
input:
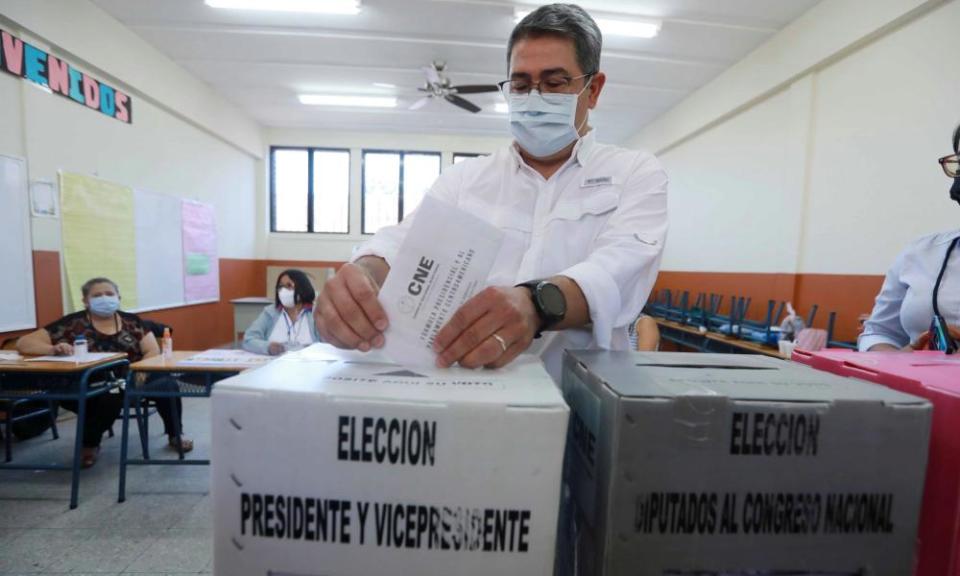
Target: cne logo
column 420, row 276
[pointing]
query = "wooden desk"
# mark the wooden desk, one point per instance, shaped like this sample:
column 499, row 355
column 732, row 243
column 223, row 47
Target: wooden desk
column 168, row 388
column 681, row 334
column 24, row 367
column 245, row 311
column 692, row 337
column 81, row 372
column 746, row 345
column 159, row 364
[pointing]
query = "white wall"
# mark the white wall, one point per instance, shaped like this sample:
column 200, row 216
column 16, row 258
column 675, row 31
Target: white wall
column 83, row 33
column 337, row 247
column 832, row 170
column 161, row 151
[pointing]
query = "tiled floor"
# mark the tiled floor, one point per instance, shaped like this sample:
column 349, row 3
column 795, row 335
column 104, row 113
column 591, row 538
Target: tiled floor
column 164, row 527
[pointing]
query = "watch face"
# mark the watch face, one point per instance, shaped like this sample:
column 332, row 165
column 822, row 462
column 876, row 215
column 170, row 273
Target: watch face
column 552, row 299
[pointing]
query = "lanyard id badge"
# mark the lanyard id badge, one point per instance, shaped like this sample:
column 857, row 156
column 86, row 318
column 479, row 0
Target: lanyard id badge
column 940, row 338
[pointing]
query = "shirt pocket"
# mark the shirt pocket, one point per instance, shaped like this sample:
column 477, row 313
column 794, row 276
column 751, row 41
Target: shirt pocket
column 577, row 209
column 571, row 228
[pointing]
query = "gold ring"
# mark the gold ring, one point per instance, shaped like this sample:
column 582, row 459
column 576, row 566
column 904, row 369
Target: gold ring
column 503, row 343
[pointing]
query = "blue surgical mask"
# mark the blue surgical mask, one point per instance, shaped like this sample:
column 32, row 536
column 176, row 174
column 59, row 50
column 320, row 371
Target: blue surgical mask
column 544, row 128
column 105, row 305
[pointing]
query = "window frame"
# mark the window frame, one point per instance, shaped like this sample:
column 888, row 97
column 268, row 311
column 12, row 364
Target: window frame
column 363, row 180
column 310, row 197
column 465, row 156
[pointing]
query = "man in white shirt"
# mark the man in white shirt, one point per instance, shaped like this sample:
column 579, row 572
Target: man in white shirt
column 585, row 223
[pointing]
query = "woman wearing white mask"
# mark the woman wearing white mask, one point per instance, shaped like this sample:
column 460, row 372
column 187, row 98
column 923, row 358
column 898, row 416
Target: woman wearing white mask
column 288, row 323
column 106, row 329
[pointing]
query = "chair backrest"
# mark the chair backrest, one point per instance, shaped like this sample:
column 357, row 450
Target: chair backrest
column 156, row 327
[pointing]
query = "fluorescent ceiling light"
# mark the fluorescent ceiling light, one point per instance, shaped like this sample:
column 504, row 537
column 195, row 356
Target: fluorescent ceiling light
column 349, row 101
column 318, row 6
column 384, row 85
column 614, row 27
column 502, row 108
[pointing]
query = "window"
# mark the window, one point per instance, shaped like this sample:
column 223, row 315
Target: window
column 394, row 183
column 309, row 190
column 459, row 157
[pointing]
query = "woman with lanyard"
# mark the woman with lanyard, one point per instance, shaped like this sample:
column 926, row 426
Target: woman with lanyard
column 287, row 324
column 918, row 307
column 106, row 329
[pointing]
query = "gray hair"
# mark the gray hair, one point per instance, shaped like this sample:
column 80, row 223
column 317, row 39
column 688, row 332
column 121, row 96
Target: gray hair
column 89, row 284
column 566, row 20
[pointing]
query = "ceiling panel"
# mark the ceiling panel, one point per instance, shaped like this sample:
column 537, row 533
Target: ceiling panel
column 262, row 60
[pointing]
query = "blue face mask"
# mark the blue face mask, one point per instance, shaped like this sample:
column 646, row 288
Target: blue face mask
column 104, row 306
column 544, row 128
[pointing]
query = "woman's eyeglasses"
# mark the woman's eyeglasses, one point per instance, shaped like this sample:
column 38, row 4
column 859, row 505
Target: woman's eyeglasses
column 951, row 165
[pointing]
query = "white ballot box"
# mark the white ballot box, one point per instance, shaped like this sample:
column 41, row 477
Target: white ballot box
column 735, row 465
column 333, row 463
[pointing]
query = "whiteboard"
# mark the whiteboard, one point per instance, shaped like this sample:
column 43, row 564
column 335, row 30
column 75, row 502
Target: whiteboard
column 159, row 243
column 18, row 311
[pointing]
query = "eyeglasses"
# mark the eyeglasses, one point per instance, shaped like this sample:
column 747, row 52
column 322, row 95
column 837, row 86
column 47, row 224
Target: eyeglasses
column 951, row 165
column 549, row 87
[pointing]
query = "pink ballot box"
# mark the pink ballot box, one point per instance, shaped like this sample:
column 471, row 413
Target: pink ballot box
column 936, row 377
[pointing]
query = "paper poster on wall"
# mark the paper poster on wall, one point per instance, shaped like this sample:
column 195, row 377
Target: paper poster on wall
column 201, row 266
column 159, row 248
column 97, row 223
column 43, row 199
column 17, row 310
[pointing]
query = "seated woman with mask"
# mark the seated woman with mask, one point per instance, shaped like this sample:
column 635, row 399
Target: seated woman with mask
column 287, row 324
column 106, row 329
column 919, row 305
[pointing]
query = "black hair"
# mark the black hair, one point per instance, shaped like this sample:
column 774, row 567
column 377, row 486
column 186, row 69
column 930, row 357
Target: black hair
column 303, row 292
column 89, row 284
column 956, row 140
column 565, row 20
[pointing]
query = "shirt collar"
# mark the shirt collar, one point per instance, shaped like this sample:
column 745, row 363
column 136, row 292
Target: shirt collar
column 582, row 151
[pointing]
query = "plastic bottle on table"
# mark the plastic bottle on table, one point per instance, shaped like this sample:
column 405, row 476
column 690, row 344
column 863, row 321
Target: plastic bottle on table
column 167, row 344
column 80, row 347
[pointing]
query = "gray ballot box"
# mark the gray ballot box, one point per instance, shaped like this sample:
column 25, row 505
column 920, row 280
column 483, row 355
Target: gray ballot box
column 688, row 464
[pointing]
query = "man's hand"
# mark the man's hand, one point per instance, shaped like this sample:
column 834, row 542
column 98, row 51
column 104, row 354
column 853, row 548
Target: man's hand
column 470, row 336
column 350, row 316
column 275, row 349
column 62, row 349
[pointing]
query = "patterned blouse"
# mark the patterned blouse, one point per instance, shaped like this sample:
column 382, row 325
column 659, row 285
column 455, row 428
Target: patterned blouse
column 126, row 340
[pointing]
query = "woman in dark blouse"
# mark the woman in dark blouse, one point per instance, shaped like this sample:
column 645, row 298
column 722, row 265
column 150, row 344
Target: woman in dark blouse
column 106, row 329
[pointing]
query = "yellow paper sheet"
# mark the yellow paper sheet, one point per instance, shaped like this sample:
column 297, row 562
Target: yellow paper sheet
column 98, row 236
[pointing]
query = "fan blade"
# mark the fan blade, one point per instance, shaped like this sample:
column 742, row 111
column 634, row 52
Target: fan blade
column 462, row 102
column 420, row 103
column 432, row 75
column 476, row 88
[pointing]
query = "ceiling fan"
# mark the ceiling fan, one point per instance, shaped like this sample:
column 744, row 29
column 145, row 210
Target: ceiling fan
column 438, row 86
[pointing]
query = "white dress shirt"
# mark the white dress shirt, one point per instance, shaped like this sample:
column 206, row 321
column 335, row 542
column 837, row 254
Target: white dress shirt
column 600, row 220
column 904, row 307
